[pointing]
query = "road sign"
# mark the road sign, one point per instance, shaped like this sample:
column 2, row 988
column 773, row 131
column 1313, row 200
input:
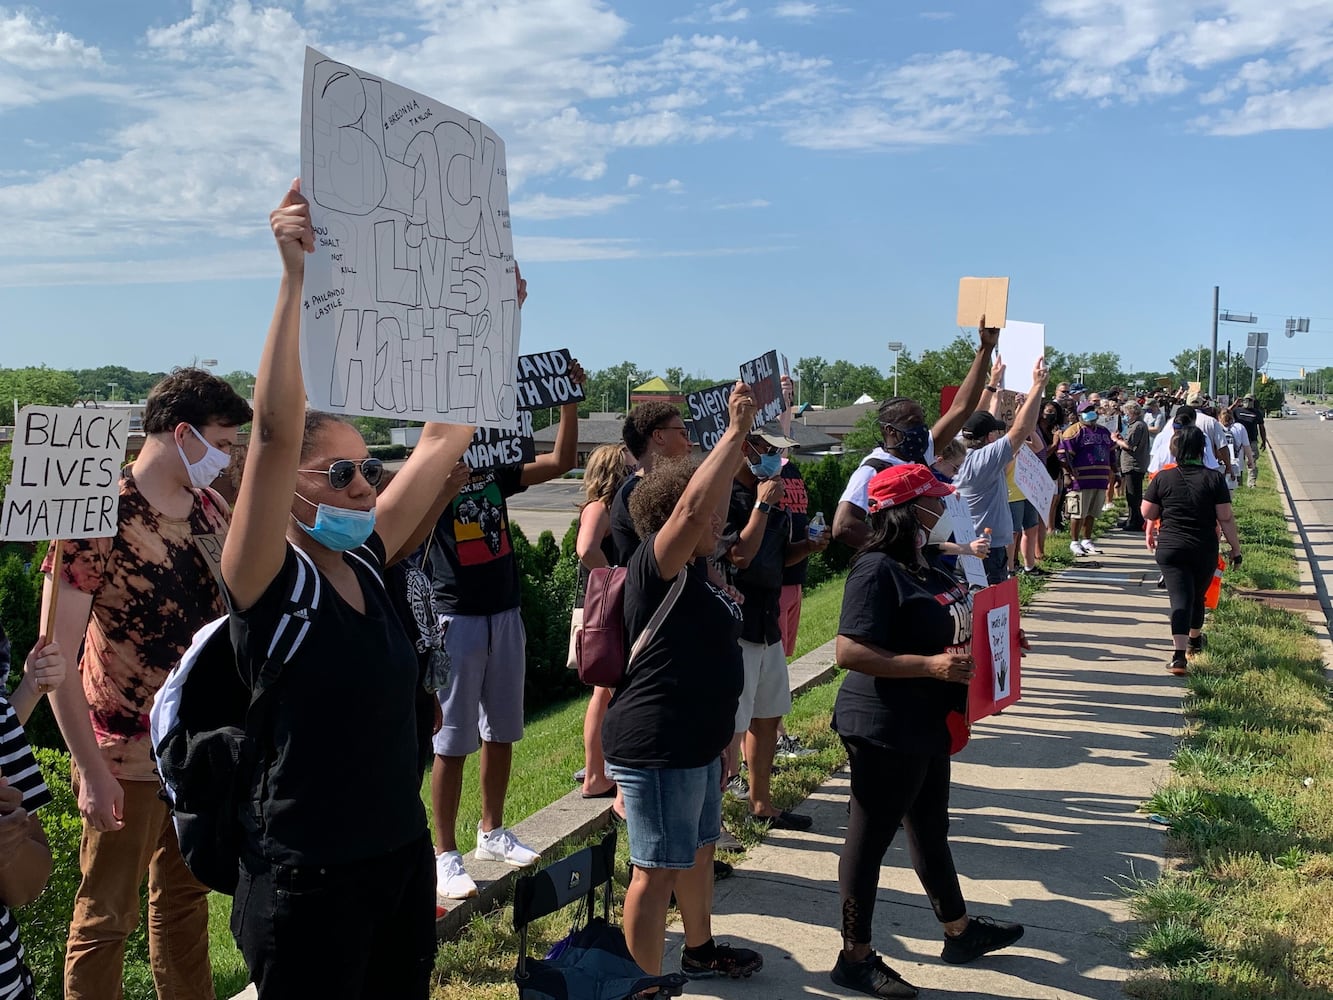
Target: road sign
column 1256, row 338
column 1256, row 357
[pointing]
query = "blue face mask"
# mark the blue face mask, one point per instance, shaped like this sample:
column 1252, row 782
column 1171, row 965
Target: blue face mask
column 1088, row 418
column 339, row 528
column 767, row 467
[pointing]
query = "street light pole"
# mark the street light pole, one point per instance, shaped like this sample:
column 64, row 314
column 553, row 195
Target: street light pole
column 895, row 346
column 826, row 395
column 628, row 379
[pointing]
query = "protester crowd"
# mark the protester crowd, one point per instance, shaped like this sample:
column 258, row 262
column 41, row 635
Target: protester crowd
column 338, row 878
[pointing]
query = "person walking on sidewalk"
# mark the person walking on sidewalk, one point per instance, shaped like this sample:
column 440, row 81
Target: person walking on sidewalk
column 1191, row 502
column 1133, row 449
column 1085, row 451
column 904, row 638
column 675, row 709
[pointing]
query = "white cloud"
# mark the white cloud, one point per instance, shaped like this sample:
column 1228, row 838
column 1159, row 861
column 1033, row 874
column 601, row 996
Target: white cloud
column 937, row 15
column 1242, row 55
column 672, row 186
column 751, row 203
column 543, row 207
column 1305, row 108
column 633, row 181
column 796, row 10
column 36, row 45
column 721, row 12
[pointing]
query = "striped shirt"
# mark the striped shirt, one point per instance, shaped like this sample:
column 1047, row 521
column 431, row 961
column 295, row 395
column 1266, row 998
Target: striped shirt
column 20, row 769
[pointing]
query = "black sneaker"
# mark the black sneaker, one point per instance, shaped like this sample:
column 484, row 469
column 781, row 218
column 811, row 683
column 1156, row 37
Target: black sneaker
column 981, row 936
column 722, row 870
column 785, row 821
column 734, row 963
column 870, row 976
column 727, row 842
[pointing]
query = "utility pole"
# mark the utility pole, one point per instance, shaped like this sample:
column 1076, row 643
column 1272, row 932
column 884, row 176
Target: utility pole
column 1212, row 364
column 1228, row 371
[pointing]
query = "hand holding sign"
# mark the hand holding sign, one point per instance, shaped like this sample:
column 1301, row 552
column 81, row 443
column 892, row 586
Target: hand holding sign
column 290, row 223
column 741, row 405
column 45, row 665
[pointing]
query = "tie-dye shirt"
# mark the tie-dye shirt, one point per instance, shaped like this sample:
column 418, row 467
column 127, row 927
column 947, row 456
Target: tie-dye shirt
column 153, row 586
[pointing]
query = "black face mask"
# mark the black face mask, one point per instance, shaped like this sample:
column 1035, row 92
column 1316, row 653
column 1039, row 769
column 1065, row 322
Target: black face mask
column 913, row 443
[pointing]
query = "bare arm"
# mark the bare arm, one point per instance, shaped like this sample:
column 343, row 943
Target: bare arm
column 675, row 544
column 456, row 480
column 43, row 672
column 594, row 526
column 866, row 658
column 849, row 525
column 1025, row 421
column 969, row 393
column 1226, row 520
column 740, row 554
column 561, row 459
column 256, row 540
column 402, row 512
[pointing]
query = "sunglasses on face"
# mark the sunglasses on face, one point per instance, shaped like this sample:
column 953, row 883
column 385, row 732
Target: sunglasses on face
column 342, row 472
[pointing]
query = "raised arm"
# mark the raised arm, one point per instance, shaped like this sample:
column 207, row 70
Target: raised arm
column 969, row 393
column 675, row 544
column 420, row 486
column 453, row 484
column 1025, row 421
column 256, row 541
column 562, row 457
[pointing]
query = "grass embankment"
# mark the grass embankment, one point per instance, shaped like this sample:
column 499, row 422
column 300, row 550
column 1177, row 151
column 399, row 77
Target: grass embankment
column 1248, row 912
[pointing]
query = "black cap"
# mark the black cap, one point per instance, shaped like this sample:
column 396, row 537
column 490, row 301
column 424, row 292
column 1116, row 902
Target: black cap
column 982, row 423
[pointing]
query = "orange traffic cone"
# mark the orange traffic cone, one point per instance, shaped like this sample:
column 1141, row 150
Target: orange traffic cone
column 1214, row 592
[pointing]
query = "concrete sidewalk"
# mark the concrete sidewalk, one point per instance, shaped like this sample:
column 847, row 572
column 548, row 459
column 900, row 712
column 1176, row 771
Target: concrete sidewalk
column 1045, row 821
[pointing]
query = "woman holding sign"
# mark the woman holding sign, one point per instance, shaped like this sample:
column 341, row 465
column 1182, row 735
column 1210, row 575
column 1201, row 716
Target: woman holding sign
column 904, row 636
column 337, row 859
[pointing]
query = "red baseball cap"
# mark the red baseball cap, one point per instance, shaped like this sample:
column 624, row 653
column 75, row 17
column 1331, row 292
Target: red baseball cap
column 900, row 484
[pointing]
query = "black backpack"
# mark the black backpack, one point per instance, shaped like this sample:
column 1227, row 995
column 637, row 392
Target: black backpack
column 202, row 723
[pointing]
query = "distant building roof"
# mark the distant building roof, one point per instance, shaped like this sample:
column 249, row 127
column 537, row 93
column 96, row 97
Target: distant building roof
column 600, row 428
column 838, row 422
column 655, row 385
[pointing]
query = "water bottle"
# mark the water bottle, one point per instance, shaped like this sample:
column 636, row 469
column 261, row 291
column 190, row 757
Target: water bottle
column 816, row 527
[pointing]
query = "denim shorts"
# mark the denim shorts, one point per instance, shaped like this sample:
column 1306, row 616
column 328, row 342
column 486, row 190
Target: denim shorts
column 671, row 812
column 1023, row 515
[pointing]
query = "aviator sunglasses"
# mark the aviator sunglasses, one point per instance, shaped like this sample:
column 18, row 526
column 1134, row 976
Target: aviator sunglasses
column 340, row 473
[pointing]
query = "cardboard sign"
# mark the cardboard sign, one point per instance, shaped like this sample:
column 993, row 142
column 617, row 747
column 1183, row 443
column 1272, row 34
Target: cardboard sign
column 765, row 382
column 1021, row 344
column 66, row 473
column 410, row 302
column 544, row 380
column 1195, row 387
column 1034, row 482
column 1006, row 406
column 978, row 297
column 708, row 414
column 492, row 447
column 965, row 534
column 995, row 620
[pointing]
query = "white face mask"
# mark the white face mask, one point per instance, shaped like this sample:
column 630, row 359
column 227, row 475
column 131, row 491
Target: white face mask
column 943, row 529
column 203, row 472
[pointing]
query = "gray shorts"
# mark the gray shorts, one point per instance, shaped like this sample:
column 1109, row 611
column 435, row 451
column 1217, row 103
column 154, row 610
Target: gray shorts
column 767, row 691
column 484, row 699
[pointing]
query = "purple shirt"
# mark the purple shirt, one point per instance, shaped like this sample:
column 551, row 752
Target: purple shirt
column 1087, row 453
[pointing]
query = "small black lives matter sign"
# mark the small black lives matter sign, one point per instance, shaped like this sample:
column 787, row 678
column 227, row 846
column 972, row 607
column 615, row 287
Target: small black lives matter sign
column 708, row 407
column 66, row 473
column 544, row 380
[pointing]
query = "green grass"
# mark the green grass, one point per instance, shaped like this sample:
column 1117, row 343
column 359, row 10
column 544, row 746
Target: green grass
column 1249, row 912
column 547, row 757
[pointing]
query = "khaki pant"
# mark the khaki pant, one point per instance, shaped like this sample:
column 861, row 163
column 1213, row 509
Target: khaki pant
column 106, row 907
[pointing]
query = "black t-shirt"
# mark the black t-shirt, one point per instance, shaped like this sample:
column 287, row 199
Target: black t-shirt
column 677, row 705
column 342, row 782
column 471, row 559
column 623, row 533
column 1188, row 496
column 1252, row 418
column 796, row 504
column 761, row 581
column 887, row 606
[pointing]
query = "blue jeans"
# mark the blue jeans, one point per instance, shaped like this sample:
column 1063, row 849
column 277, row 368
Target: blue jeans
column 671, row 812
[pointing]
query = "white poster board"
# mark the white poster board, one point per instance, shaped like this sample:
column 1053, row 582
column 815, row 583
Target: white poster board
column 1034, row 482
column 1021, row 344
column 965, row 534
column 66, row 473
column 997, row 632
column 410, row 302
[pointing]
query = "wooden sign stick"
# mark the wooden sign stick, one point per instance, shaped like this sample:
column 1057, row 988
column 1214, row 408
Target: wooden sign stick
column 57, row 578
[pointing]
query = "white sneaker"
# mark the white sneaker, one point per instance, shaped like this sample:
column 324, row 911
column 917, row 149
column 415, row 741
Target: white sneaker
column 501, row 845
column 1076, row 547
column 451, row 881
column 1090, row 550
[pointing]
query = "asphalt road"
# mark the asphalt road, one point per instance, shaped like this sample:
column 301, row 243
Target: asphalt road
column 548, row 507
column 1304, row 447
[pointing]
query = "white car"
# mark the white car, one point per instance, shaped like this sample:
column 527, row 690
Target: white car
column 1290, row 411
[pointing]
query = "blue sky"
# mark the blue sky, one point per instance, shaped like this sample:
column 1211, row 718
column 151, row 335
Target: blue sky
column 692, row 184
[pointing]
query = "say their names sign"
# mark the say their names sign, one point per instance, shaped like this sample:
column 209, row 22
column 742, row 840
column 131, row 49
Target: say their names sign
column 66, row 480
column 409, row 305
column 544, row 380
column 493, row 447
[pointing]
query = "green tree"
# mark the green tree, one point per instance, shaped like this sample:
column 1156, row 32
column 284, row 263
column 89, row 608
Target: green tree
column 242, row 381
column 98, row 383
column 607, row 387
column 38, row 386
column 846, row 381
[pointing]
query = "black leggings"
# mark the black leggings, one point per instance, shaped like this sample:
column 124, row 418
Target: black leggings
column 1187, row 573
column 888, row 788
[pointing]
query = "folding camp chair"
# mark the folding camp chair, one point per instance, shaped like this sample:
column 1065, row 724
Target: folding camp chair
column 593, row 962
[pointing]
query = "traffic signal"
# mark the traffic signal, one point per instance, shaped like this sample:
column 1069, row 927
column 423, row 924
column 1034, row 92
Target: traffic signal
column 1302, row 373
